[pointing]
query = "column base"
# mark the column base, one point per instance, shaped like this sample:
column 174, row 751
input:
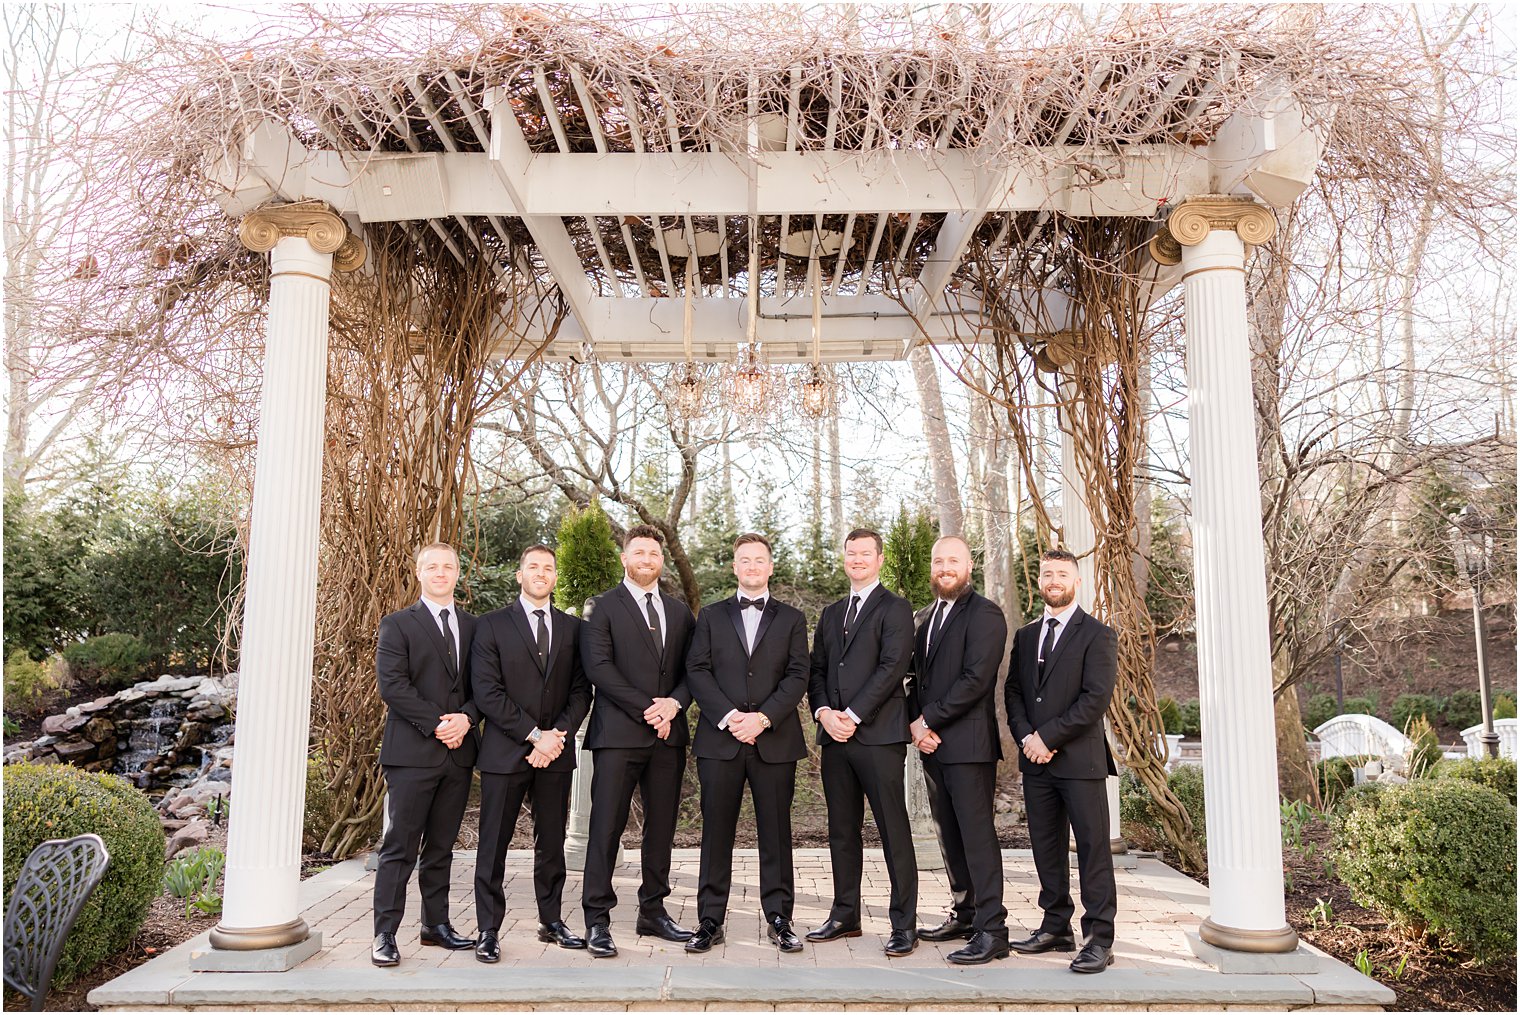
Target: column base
column 1265, row 942
column 1296, row 962
column 1125, row 861
column 277, row 959
column 1118, row 846
column 927, row 855
column 245, row 939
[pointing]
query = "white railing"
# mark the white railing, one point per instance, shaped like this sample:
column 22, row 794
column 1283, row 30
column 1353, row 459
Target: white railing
column 1350, row 735
column 1507, row 730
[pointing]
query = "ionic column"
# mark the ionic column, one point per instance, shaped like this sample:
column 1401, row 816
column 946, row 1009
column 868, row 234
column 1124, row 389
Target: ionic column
column 1080, row 538
column 1229, row 577
column 260, row 909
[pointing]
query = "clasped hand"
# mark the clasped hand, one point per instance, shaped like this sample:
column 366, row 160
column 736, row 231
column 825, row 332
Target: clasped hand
column 1036, row 751
column 746, row 726
column 452, row 728
column 551, row 744
column 837, row 724
column 925, row 739
column 659, row 715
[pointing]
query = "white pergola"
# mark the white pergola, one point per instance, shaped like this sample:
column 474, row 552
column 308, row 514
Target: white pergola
column 606, row 206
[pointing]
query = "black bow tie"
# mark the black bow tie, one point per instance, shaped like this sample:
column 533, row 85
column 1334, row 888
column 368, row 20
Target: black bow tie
column 758, row 604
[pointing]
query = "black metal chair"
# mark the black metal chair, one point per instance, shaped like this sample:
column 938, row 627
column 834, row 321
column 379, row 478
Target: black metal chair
column 55, row 883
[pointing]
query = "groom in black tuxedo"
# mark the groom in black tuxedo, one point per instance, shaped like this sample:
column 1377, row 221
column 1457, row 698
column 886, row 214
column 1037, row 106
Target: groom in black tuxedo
column 1060, row 678
column 633, row 646
column 748, row 670
column 428, row 751
column 526, row 674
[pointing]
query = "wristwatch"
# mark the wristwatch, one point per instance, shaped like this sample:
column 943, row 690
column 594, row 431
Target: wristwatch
column 765, row 721
column 535, row 736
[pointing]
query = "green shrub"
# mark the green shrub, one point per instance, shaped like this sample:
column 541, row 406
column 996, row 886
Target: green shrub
column 1335, row 777
column 321, row 810
column 1358, row 706
column 588, row 558
column 1320, row 709
column 1504, row 706
column 11, row 727
column 26, row 682
column 108, row 660
column 907, row 548
column 1192, row 719
column 1437, row 857
column 1464, row 709
column 1171, row 715
column 1497, row 774
column 1186, row 783
column 1409, row 707
column 57, row 802
column 1424, row 748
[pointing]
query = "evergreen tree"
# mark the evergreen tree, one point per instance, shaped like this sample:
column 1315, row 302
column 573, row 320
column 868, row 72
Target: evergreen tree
column 766, row 520
column 587, row 558
column 909, row 549
column 711, row 547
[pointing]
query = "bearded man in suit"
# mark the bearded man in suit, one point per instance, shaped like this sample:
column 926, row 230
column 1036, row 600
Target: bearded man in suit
column 527, row 679
column 861, row 653
column 1060, row 678
column 633, row 646
column 951, row 690
column 427, row 753
column 748, row 669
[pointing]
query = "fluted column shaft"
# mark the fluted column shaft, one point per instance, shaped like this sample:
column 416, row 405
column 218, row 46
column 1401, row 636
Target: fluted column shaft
column 1230, row 592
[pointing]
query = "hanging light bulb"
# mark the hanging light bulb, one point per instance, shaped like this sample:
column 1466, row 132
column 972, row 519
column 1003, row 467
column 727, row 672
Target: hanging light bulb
column 817, row 388
column 689, row 387
column 750, row 383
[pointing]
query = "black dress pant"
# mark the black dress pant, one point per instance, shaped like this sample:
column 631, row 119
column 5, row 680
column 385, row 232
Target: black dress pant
column 426, row 808
column 770, row 787
column 617, row 771
column 501, row 798
column 960, row 798
column 1052, row 804
column 854, row 773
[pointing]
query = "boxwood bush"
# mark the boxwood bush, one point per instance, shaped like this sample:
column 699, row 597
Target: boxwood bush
column 1463, row 709
column 1185, row 782
column 1319, row 709
column 110, row 661
column 1496, row 773
column 1336, row 777
column 1435, row 857
column 1407, row 708
column 57, row 802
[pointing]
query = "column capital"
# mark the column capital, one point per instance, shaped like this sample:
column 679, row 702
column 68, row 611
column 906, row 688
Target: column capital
column 313, row 221
column 1193, row 219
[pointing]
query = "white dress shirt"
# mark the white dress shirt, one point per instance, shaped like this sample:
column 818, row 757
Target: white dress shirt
column 643, row 604
column 437, row 608
column 1062, row 619
column 751, row 620
column 529, row 608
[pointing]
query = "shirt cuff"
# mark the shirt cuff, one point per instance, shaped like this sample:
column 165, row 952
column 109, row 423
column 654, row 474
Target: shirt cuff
column 820, row 708
column 853, row 717
column 723, row 723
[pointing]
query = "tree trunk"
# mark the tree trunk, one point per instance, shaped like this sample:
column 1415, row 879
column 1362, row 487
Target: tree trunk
column 1140, row 560
column 836, row 486
column 947, row 494
column 1295, row 776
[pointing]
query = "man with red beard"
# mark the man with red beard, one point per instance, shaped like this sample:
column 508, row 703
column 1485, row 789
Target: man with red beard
column 951, row 691
column 1060, row 679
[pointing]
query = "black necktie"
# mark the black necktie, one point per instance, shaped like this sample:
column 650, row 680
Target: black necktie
column 1049, row 642
column 849, row 617
column 939, row 622
column 448, row 638
column 758, row 604
column 654, row 620
column 542, row 638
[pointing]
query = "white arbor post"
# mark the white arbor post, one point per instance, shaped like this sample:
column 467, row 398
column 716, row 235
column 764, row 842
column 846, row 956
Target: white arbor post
column 1081, row 537
column 260, row 910
column 1229, row 577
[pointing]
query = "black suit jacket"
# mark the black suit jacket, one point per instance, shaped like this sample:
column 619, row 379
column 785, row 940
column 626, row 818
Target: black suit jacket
column 723, row 675
column 1068, row 706
column 864, row 672
column 953, row 683
column 419, row 686
column 629, row 671
column 514, row 695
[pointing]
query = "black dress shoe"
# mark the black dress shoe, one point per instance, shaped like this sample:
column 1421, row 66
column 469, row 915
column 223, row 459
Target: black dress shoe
column 781, row 935
column 384, row 951
column 662, row 927
column 489, row 949
column 900, row 942
column 951, row 930
column 445, row 937
column 983, row 948
column 832, row 931
column 709, row 933
column 599, row 941
column 1093, row 958
column 1044, row 941
column 558, row 933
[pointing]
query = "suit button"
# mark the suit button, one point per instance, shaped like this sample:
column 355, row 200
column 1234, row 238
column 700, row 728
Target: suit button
column 1038, row 700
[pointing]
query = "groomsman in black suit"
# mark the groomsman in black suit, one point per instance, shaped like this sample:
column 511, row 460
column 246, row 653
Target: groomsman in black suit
column 525, row 671
column 1060, row 679
column 427, row 753
column 748, row 670
column 633, row 646
column 861, row 653
column 951, row 690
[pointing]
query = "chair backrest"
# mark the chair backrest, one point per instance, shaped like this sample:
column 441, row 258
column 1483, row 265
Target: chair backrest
column 54, row 884
column 1351, row 735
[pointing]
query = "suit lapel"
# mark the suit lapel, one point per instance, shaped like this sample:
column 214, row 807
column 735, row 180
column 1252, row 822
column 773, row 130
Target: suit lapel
column 424, row 618
column 1067, row 636
column 636, row 609
column 736, row 615
column 877, row 595
column 957, row 610
column 766, row 616
column 525, row 632
column 559, row 625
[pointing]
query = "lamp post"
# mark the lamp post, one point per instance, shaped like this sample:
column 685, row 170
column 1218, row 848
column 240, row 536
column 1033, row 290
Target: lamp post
column 1473, row 548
